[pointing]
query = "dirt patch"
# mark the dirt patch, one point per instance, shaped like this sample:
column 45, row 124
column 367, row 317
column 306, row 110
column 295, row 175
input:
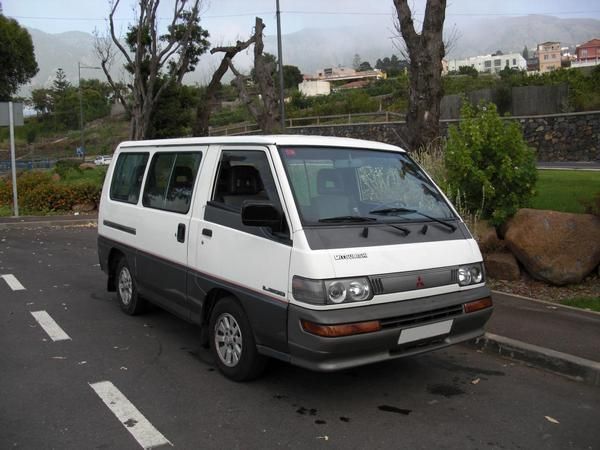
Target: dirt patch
column 528, row 287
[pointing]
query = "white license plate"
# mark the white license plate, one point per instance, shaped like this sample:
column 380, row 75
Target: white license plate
column 425, row 331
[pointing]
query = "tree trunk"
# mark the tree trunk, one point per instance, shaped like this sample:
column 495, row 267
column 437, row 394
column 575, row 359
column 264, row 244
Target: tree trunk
column 425, row 51
column 205, row 107
column 269, row 115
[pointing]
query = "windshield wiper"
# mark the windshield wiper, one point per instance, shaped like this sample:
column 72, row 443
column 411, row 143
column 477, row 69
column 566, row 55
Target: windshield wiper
column 385, row 211
column 349, row 219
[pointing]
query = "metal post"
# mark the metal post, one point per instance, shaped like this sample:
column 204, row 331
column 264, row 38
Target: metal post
column 80, row 107
column 13, row 164
column 279, row 52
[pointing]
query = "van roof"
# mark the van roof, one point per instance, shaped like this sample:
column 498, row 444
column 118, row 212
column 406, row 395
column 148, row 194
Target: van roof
column 281, row 139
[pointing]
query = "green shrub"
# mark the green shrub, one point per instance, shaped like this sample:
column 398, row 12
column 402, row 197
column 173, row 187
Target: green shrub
column 489, row 163
column 67, row 166
column 5, row 192
column 48, row 197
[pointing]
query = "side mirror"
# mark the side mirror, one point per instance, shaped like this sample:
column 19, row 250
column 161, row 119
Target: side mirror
column 261, row 214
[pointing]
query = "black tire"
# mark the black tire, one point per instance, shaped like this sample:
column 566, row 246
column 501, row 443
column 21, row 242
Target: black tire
column 129, row 300
column 232, row 342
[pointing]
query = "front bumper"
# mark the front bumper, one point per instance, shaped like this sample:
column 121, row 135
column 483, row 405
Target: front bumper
column 335, row 353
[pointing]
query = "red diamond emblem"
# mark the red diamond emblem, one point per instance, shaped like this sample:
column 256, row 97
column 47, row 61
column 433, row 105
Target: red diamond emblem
column 420, row 282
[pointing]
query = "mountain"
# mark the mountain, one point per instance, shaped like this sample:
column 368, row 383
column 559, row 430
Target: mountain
column 315, row 48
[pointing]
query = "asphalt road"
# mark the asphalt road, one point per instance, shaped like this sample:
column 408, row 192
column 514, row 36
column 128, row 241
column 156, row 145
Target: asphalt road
column 456, row 398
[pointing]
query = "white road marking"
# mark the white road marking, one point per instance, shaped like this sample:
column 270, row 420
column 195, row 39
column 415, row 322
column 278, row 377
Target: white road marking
column 131, row 418
column 12, row 282
column 53, row 330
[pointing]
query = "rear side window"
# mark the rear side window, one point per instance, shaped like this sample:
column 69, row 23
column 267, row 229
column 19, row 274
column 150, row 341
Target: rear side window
column 127, row 177
column 170, row 181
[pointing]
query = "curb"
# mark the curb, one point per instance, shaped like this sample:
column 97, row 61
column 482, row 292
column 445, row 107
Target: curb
column 48, row 223
column 574, row 367
column 546, row 302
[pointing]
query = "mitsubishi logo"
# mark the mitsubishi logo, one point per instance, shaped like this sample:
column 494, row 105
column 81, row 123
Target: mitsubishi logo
column 420, row 282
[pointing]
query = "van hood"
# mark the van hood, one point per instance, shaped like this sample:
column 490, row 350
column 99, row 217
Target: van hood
column 403, row 258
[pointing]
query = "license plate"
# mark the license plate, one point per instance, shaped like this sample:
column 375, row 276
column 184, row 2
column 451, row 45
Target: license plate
column 425, row 331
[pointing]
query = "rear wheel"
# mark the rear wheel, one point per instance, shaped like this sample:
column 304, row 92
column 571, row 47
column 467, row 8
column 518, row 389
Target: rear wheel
column 232, row 342
column 127, row 294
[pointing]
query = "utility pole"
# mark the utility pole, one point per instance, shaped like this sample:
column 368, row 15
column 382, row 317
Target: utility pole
column 79, row 67
column 280, row 58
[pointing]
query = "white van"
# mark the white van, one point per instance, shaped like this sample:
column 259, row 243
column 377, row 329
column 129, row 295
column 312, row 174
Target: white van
column 324, row 252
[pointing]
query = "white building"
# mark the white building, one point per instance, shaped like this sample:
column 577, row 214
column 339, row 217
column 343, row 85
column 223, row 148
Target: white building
column 312, row 88
column 489, row 63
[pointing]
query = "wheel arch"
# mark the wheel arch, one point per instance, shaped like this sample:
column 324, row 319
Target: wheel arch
column 113, row 259
column 212, row 298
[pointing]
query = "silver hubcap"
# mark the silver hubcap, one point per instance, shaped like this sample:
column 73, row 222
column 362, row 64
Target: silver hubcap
column 125, row 286
column 228, row 340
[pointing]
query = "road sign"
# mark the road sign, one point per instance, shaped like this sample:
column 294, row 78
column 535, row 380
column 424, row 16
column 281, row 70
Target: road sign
column 17, row 114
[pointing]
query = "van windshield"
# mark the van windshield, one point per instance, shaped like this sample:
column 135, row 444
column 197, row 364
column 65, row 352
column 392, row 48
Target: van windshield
column 349, row 185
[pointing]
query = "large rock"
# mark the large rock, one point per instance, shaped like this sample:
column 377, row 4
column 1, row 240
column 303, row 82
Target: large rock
column 559, row 248
column 502, row 266
column 487, row 238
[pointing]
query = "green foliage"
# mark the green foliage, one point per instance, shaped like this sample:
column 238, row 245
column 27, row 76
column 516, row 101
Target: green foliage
column 364, row 66
column 292, row 77
column 174, row 112
column 40, row 192
column 468, row 70
column 488, row 161
column 64, row 166
column 462, row 84
column 58, row 107
column 391, row 66
column 17, row 59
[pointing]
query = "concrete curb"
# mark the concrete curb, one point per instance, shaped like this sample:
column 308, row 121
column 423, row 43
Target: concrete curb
column 49, row 223
column 574, row 367
column 547, row 303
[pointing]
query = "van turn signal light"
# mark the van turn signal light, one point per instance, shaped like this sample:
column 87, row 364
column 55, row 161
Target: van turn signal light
column 346, row 329
column 482, row 303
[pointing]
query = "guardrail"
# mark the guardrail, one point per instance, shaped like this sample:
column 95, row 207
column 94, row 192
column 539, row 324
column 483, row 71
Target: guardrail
column 27, row 165
column 292, row 122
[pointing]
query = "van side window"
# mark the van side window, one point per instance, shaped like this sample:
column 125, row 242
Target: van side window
column 170, row 181
column 127, row 177
column 244, row 175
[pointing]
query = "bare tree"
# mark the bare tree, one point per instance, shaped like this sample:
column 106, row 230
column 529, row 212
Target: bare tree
column 425, row 52
column 263, row 107
column 151, row 56
column 206, row 106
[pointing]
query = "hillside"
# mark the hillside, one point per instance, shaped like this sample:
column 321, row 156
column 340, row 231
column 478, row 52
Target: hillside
column 331, row 46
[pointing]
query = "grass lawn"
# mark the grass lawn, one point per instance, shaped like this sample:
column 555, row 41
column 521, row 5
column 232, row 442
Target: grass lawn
column 591, row 303
column 565, row 190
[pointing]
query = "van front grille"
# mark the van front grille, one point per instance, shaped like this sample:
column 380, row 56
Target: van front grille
column 413, row 280
column 422, row 317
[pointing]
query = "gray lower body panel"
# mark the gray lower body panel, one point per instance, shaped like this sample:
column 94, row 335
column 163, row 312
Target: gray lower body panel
column 335, row 353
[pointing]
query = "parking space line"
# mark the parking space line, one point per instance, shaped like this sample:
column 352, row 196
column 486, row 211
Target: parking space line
column 131, row 418
column 51, row 328
column 12, row 282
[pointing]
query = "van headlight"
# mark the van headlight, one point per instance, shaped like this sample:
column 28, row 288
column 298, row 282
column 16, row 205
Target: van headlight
column 323, row 292
column 471, row 274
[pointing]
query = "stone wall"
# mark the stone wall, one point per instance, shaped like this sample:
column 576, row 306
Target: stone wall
column 556, row 137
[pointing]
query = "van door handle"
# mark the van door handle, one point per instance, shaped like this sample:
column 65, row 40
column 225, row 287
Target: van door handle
column 181, row 232
column 207, row 232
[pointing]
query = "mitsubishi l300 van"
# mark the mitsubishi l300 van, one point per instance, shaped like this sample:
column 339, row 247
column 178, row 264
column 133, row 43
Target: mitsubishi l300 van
column 324, row 252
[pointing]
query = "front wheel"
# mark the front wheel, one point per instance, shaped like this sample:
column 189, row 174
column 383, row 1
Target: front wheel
column 232, row 342
column 127, row 294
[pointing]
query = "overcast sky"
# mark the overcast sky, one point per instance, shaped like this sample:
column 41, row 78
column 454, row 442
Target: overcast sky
column 227, row 20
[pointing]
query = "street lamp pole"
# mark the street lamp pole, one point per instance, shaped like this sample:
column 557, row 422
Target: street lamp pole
column 280, row 58
column 80, row 106
column 79, row 67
